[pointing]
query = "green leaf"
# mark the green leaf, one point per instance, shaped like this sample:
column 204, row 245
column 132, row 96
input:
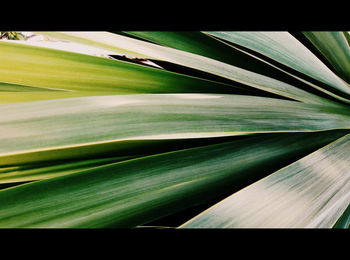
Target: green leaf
column 313, row 192
column 65, row 127
column 335, row 48
column 198, row 62
column 189, row 41
column 74, row 74
column 9, row 87
column 137, row 191
column 95, row 42
column 344, row 220
column 118, row 144
column 33, row 172
column 208, row 46
column 289, row 51
column 204, row 45
column 51, row 163
column 347, row 36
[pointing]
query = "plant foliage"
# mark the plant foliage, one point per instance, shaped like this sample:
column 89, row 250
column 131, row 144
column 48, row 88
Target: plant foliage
column 175, row 129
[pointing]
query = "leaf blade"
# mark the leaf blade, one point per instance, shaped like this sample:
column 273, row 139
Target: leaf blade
column 55, row 125
column 310, row 193
column 137, row 191
column 288, row 51
column 202, row 63
column 72, row 74
column 335, row 48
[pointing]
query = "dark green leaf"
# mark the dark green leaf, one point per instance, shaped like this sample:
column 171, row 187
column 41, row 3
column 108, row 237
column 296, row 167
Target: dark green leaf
column 137, row 191
column 313, row 192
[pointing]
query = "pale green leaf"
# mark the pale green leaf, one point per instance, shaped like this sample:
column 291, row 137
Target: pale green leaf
column 91, row 42
column 212, row 47
column 284, row 48
column 335, row 48
column 201, row 63
column 64, row 127
column 205, row 45
column 313, row 192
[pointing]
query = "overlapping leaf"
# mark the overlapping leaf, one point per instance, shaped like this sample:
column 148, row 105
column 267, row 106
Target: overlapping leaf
column 335, row 48
column 137, row 191
column 94, row 158
column 73, row 74
column 202, row 63
column 310, row 193
column 284, row 48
